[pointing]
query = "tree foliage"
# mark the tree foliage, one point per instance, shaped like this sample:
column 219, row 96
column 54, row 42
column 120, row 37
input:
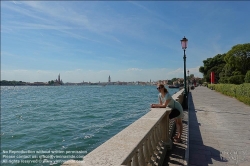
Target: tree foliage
column 11, row 83
column 247, row 77
column 191, row 76
column 51, row 82
column 215, row 64
column 236, row 79
column 224, row 80
column 174, row 79
column 231, row 67
column 238, row 58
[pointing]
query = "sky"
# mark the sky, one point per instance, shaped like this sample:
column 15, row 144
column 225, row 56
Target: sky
column 128, row 40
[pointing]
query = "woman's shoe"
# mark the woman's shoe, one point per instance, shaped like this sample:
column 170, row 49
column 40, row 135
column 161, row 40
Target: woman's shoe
column 177, row 140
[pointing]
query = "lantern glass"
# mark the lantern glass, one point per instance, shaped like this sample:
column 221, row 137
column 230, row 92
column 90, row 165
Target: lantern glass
column 184, row 42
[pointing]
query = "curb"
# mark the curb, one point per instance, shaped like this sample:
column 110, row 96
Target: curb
column 186, row 160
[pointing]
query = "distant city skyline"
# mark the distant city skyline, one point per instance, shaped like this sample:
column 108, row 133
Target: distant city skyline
column 109, row 77
column 128, row 40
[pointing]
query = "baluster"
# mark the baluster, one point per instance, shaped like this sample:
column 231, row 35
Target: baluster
column 157, row 133
column 150, row 146
column 154, row 142
column 135, row 159
column 154, row 155
column 164, row 129
column 159, row 136
column 141, row 156
column 157, row 147
column 159, row 130
column 129, row 163
column 146, row 152
column 167, row 128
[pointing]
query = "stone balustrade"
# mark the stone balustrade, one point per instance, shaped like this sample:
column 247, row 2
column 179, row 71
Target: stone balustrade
column 144, row 142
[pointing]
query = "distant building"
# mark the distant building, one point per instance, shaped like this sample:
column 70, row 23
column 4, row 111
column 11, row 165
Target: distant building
column 109, row 79
column 58, row 81
column 38, row 84
column 164, row 82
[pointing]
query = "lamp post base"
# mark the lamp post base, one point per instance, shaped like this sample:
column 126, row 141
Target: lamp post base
column 185, row 101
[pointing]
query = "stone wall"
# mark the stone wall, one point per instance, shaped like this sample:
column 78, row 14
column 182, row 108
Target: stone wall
column 143, row 142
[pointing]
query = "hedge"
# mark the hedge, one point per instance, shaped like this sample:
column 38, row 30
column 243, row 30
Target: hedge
column 240, row 92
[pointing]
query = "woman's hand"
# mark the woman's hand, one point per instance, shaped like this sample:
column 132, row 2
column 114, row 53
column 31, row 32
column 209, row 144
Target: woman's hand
column 152, row 105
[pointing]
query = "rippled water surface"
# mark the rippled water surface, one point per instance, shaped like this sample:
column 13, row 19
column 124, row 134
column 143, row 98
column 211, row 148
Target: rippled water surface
column 69, row 118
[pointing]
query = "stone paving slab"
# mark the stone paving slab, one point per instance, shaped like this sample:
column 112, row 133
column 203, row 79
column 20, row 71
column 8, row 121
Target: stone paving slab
column 219, row 129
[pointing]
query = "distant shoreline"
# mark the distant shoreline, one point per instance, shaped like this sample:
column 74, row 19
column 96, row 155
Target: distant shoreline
column 168, row 83
column 20, row 83
column 93, row 84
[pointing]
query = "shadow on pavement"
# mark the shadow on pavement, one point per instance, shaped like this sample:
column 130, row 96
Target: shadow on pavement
column 200, row 154
column 176, row 156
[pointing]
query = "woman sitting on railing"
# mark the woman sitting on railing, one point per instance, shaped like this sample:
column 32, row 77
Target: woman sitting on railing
column 166, row 100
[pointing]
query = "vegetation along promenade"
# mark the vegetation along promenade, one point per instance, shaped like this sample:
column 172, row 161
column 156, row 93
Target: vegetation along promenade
column 232, row 67
column 231, row 72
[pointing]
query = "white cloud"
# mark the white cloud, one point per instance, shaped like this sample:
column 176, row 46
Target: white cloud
column 195, row 71
column 134, row 69
column 77, row 20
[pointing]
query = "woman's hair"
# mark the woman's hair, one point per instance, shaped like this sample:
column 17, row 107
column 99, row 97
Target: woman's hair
column 162, row 86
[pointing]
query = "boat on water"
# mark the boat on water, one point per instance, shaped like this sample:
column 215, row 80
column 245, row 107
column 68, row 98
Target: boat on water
column 173, row 86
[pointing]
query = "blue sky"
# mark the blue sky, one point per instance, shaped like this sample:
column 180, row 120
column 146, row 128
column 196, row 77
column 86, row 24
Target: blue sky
column 128, row 40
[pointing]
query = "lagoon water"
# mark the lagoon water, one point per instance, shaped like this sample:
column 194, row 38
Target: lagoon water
column 47, row 119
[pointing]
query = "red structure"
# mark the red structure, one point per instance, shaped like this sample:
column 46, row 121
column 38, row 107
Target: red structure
column 212, row 77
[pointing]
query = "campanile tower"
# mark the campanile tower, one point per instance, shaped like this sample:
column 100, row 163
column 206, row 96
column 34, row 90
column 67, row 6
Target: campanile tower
column 109, row 79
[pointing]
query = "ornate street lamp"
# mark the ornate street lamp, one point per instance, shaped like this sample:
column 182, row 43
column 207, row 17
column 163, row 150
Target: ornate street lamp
column 184, row 42
column 188, row 81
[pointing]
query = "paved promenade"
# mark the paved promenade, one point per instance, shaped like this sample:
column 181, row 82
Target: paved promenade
column 219, row 129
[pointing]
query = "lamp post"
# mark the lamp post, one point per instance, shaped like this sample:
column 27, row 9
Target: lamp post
column 184, row 42
column 188, row 81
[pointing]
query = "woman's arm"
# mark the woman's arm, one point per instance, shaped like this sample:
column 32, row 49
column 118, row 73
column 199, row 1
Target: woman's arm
column 161, row 105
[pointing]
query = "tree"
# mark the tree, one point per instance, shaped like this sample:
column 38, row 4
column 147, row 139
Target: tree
column 227, row 71
column 170, row 82
column 224, row 80
column 217, row 71
column 201, row 69
column 236, row 79
column 247, row 77
column 200, row 81
column 51, row 82
column 11, row 83
column 215, row 64
column 238, row 58
column 174, row 79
